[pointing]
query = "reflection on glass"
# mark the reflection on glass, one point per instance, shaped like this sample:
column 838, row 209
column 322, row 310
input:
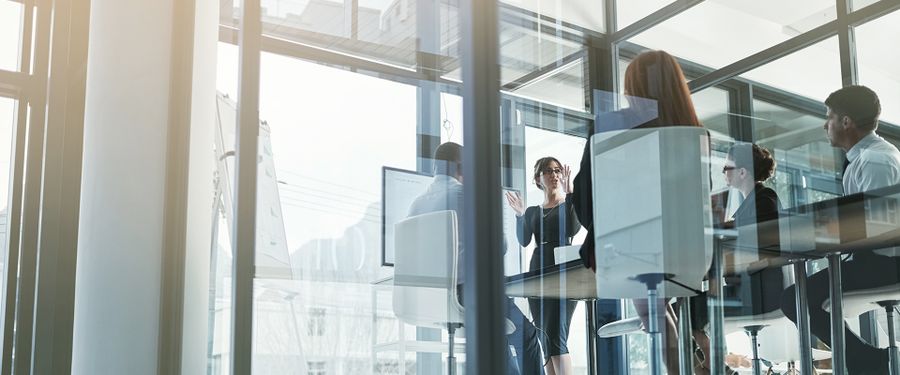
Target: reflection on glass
column 628, row 12
column 588, row 14
column 451, row 118
column 11, row 13
column 527, row 53
column 327, row 164
column 563, row 86
column 221, row 270
column 877, row 63
column 712, row 109
column 719, row 32
column 813, row 72
column 808, row 165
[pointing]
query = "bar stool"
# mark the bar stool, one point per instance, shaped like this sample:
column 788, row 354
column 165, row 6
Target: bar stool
column 887, row 297
column 659, row 243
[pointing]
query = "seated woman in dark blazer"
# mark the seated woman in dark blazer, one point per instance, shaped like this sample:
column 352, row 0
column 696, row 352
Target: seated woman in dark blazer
column 747, row 167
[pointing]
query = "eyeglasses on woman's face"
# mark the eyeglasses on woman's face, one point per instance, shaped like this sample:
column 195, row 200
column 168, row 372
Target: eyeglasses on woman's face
column 551, row 171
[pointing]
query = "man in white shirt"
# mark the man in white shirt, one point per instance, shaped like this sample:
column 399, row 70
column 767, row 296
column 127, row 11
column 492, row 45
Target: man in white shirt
column 445, row 193
column 873, row 163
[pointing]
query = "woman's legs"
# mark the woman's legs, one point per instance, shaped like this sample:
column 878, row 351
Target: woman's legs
column 554, row 317
column 560, row 364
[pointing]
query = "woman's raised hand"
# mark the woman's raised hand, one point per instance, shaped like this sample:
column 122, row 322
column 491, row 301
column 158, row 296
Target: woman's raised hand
column 515, row 202
column 568, row 185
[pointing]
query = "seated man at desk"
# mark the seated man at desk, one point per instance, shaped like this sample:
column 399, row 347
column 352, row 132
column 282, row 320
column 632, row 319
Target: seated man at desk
column 445, row 193
column 852, row 118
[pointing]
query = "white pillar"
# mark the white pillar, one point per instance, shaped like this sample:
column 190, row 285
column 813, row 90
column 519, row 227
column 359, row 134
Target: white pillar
column 202, row 165
column 118, row 282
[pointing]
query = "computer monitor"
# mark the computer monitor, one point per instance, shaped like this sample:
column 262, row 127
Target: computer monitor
column 399, row 188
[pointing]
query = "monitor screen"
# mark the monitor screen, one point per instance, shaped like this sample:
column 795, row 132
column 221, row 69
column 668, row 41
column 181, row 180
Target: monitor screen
column 399, row 189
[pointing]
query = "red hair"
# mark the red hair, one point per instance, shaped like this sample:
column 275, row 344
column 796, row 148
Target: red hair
column 656, row 75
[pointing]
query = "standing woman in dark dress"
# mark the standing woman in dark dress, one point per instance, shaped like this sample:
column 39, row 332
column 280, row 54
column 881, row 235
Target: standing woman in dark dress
column 552, row 224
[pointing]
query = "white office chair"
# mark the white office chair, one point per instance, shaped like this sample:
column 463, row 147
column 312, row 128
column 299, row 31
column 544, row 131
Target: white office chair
column 773, row 338
column 425, row 269
column 652, row 217
column 778, row 345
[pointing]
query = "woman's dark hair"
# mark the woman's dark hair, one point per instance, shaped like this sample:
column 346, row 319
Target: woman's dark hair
column 656, row 75
column 539, row 167
column 753, row 158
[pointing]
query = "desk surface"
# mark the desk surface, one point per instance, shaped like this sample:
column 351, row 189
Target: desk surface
column 572, row 280
column 859, row 222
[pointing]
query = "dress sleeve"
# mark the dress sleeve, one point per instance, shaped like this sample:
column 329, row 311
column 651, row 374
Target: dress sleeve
column 583, row 205
column 524, row 231
column 582, row 201
column 572, row 223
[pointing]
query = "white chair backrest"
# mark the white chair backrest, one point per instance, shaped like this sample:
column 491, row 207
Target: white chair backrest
column 652, row 209
column 425, row 270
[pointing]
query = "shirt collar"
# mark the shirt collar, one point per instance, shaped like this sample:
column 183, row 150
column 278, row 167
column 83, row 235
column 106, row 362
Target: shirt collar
column 864, row 143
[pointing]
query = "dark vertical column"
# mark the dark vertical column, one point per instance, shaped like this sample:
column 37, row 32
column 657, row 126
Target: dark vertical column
column 740, row 107
column 485, row 352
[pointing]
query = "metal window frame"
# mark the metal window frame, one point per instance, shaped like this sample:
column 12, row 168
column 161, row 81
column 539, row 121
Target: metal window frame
column 802, row 41
column 663, row 14
column 15, row 85
column 175, row 211
column 247, row 151
column 19, row 310
column 482, row 215
column 61, row 191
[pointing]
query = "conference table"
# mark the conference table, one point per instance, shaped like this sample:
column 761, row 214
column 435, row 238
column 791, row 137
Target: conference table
column 827, row 229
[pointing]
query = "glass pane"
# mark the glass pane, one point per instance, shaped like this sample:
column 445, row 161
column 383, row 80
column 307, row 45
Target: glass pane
column 589, row 14
column 716, row 33
column 877, row 65
column 813, row 72
column 11, row 13
column 564, row 86
column 808, row 166
column 859, row 4
column 530, row 54
column 629, row 12
column 319, row 218
column 221, row 270
column 712, row 109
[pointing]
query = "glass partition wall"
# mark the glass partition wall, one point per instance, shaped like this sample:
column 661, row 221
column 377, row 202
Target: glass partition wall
column 355, row 100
